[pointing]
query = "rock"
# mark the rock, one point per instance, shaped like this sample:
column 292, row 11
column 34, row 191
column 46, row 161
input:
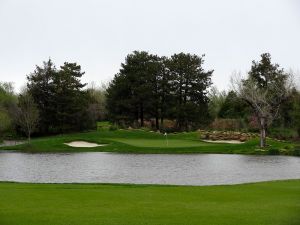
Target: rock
column 214, row 138
column 243, row 139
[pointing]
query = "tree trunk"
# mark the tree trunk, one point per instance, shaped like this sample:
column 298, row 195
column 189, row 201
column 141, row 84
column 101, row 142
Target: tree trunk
column 136, row 116
column 262, row 132
column 162, row 112
column 142, row 115
column 157, row 122
column 29, row 137
column 162, row 122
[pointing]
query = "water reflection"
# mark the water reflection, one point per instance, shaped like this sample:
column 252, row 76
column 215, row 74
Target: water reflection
column 189, row 169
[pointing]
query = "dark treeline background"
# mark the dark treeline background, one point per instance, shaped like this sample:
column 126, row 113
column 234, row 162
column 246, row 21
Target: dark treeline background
column 161, row 93
column 59, row 97
column 63, row 102
column 153, row 88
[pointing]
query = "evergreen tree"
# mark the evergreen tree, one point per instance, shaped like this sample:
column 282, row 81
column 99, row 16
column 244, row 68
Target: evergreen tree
column 70, row 100
column 133, row 93
column 60, row 98
column 190, row 83
column 149, row 86
column 234, row 107
column 40, row 86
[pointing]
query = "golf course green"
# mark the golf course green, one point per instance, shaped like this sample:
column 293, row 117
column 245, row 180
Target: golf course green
column 140, row 141
column 276, row 203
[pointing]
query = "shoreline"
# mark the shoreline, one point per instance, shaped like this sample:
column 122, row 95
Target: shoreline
column 151, row 185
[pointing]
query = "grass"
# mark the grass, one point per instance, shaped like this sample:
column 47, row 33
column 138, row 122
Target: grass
column 161, row 143
column 139, row 141
column 276, row 203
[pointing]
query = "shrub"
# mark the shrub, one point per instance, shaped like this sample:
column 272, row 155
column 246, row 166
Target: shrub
column 297, row 150
column 273, row 151
column 227, row 124
column 113, row 127
column 168, row 126
column 283, row 133
column 145, row 128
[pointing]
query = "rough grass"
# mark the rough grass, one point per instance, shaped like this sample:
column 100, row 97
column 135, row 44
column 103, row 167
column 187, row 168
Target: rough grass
column 139, row 141
column 276, row 203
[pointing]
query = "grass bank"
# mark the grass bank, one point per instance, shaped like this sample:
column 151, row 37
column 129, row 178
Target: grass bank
column 276, row 203
column 139, row 141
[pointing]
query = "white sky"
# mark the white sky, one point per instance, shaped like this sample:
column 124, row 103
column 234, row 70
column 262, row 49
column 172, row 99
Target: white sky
column 99, row 34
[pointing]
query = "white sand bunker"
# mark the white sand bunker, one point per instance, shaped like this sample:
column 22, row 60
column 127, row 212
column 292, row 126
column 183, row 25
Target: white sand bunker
column 225, row 141
column 83, row 144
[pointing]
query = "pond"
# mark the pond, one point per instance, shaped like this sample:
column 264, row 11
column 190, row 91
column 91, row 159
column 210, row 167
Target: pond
column 180, row 169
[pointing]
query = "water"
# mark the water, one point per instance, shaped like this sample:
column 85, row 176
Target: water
column 183, row 169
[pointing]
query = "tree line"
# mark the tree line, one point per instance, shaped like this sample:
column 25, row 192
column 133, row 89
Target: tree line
column 177, row 88
column 266, row 99
column 54, row 101
column 60, row 98
column 152, row 87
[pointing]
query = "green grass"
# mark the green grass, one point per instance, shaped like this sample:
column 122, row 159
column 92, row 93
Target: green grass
column 103, row 125
column 161, row 143
column 267, row 203
column 138, row 141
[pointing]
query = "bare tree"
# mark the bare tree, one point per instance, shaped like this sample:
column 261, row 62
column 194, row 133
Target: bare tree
column 27, row 114
column 216, row 100
column 265, row 101
column 97, row 106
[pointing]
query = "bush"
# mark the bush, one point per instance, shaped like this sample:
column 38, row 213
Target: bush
column 297, row 150
column 113, row 127
column 227, row 124
column 273, row 151
column 168, row 126
column 103, row 125
column 145, row 128
column 283, row 133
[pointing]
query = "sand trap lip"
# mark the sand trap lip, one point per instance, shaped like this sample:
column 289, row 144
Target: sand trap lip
column 82, row 144
column 225, row 141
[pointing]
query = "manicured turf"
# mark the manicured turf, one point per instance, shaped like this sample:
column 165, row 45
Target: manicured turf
column 161, row 143
column 138, row 141
column 269, row 203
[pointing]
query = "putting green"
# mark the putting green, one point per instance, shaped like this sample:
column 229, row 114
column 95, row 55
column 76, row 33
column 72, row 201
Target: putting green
column 163, row 143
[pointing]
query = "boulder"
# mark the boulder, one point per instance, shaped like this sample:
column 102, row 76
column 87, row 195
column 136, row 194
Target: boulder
column 243, row 139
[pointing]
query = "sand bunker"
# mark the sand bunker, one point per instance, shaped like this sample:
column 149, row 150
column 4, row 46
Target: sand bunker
column 83, row 144
column 225, row 141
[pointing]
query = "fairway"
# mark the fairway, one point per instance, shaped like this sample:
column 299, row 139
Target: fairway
column 161, row 143
column 276, row 203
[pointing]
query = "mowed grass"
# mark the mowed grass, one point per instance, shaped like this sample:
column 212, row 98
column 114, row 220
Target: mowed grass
column 139, row 141
column 268, row 203
column 161, row 143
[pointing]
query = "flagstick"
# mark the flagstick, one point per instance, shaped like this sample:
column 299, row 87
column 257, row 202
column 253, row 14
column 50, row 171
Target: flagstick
column 167, row 139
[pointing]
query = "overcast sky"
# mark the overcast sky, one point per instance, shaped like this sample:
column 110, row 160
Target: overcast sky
column 98, row 34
